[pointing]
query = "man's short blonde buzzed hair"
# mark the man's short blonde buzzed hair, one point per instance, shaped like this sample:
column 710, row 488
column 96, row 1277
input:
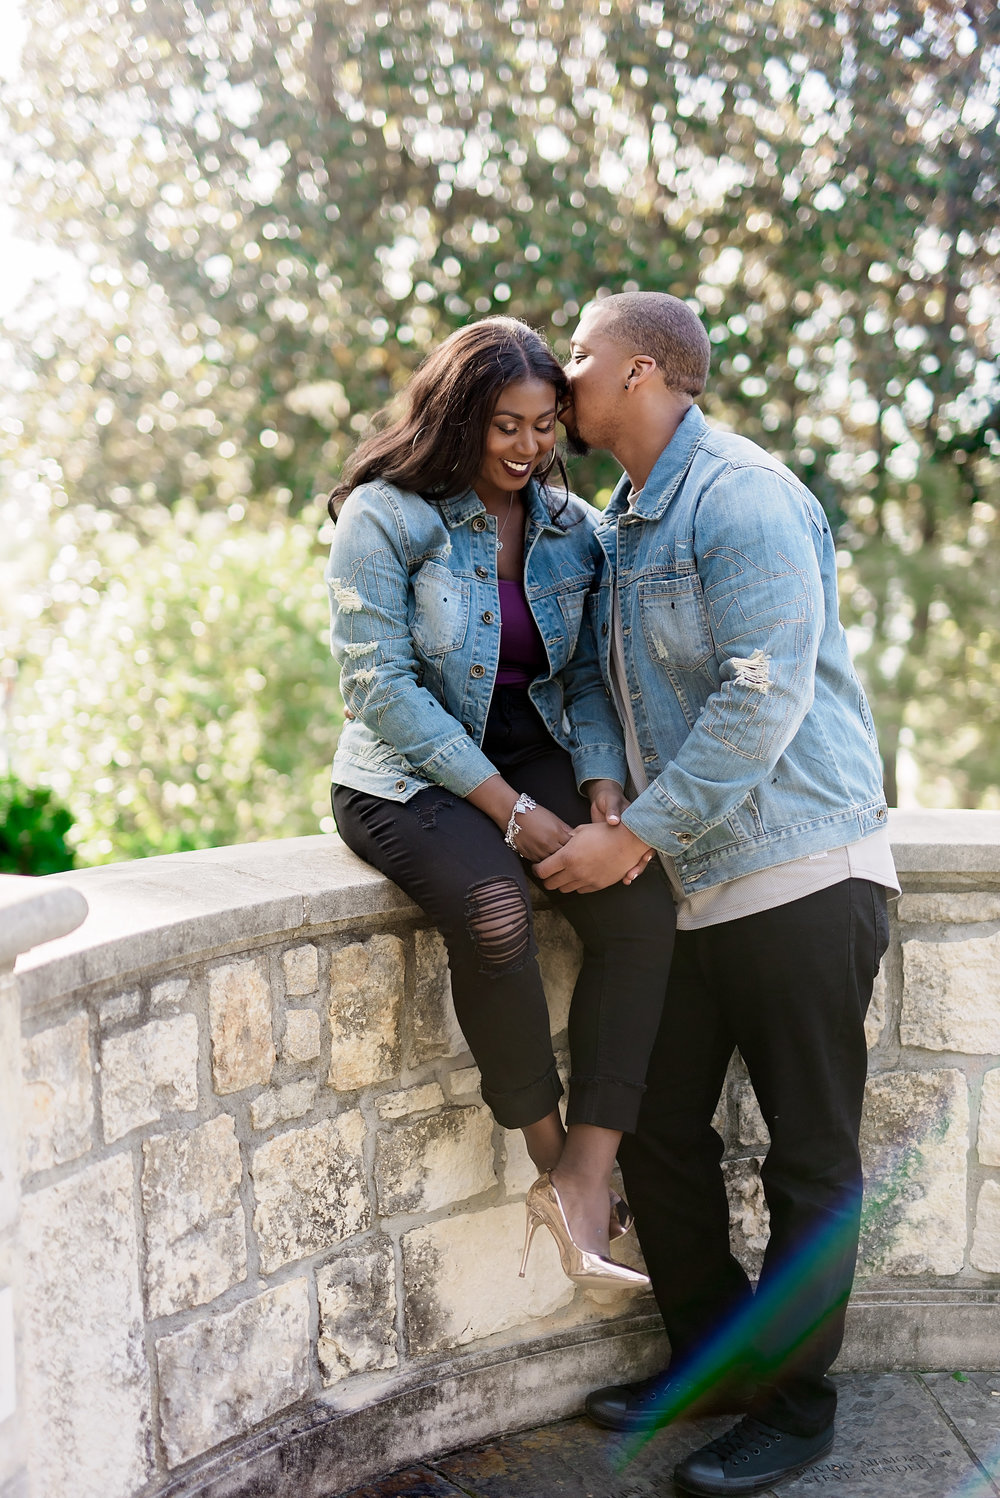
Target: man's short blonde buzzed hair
column 665, row 328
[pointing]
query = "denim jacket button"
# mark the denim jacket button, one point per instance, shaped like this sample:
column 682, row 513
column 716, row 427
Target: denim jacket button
column 488, row 617
column 477, row 671
column 685, row 837
column 481, row 572
column 401, row 785
column 479, row 524
column 604, row 627
column 468, row 729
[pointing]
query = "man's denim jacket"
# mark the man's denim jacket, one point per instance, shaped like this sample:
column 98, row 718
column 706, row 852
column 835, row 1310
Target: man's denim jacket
column 754, row 730
column 415, row 625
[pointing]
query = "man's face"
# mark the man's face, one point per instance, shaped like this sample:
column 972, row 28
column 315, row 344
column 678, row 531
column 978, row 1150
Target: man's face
column 597, row 370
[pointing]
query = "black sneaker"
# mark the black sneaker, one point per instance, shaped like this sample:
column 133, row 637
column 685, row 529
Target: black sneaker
column 651, row 1402
column 750, row 1457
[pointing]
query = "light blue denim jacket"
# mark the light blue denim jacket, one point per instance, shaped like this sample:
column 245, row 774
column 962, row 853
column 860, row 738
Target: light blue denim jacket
column 415, row 625
column 754, row 730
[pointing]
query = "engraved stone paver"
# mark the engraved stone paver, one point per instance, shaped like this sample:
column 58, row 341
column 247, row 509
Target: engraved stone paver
column 899, row 1435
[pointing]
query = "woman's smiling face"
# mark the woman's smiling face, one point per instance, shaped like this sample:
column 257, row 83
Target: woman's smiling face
column 520, row 436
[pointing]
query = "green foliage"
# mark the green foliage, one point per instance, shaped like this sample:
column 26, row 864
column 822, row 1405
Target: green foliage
column 33, row 828
column 189, row 681
column 270, row 212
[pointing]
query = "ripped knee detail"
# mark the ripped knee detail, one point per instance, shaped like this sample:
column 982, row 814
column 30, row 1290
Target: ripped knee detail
column 498, row 921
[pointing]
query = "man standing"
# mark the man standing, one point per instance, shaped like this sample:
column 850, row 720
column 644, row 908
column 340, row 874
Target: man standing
column 755, row 775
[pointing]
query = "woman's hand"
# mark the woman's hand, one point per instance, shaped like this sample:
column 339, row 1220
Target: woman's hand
column 607, row 802
column 542, row 833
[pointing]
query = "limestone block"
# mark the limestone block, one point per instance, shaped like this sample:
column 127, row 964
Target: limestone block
column 239, row 1011
column 963, row 909
column 8, row 1356
column 301, row 965
column 989, row 1120
column 465, row 1082
column 748, row 1215
column 877, row 1009
column 985, row 1253
column 280, row 1104
column 310, row 1190
column 435, row 1161
column 914, row 1143
column 301, row 1040
column 750, row 1121
column 434, row 1029
column 85, row 1374
column 412, row 1100
column 122, row 1006
column 951, row 995
column 11, row 1104
column 461, row 1281
column 148, row 1073
column 222, row 1376
column 58, row 1096
column 357, row 1313
column 164, row 997
column 720, row 1118
column 366, row 988
column 559, row 955
column 519, row 1170
column 195, row 1228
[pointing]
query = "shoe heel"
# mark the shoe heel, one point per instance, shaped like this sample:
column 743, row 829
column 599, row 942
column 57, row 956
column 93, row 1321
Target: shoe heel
column 530, row 1228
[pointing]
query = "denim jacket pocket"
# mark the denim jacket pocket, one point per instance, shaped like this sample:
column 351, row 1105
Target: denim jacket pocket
column 571, row 607
column 440, row 610
column 675, row 621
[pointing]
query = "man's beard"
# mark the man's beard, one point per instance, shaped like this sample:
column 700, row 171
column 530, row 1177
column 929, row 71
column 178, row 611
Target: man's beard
column 576, row 444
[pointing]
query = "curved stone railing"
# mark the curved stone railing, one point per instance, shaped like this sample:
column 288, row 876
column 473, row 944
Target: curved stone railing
column 269, row 1233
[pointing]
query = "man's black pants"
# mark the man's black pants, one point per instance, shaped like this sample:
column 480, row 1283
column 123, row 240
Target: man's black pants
column 790, row 988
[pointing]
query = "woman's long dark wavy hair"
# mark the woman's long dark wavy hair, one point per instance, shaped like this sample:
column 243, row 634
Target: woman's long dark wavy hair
column 436, row 448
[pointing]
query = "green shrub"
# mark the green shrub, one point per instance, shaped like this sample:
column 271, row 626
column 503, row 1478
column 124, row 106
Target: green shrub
column 33, row 828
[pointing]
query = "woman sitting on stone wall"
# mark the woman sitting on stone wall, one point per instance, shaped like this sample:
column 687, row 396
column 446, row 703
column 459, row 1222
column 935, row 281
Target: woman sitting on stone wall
column 480, row 734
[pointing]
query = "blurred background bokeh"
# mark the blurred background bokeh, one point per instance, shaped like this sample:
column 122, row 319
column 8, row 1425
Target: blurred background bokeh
column 245, row 223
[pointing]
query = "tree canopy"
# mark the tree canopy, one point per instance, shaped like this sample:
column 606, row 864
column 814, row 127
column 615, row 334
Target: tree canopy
column 269, row 213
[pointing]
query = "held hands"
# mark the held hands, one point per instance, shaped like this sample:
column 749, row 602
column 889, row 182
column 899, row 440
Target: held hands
column 607, row 802
column 593, row 858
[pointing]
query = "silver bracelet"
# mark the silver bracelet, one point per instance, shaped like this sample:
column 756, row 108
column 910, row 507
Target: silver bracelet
column 522, row 804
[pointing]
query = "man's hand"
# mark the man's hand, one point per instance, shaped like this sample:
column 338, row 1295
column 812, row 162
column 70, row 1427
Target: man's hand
column 607, row 802
column 594, row 857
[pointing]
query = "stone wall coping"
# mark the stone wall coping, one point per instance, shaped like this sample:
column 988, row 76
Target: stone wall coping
column 945, row 842
column 155, row 910
column 33, row 911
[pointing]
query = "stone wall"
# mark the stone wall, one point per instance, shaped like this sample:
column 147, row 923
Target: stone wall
column 269, row 1233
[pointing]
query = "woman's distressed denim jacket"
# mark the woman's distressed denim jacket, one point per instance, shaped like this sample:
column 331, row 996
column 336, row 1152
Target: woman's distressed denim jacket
column 415, row 626
column 753, row 728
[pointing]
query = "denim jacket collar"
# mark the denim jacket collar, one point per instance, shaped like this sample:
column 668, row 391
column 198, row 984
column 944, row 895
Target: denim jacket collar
column 458, row 510
column 666, row 473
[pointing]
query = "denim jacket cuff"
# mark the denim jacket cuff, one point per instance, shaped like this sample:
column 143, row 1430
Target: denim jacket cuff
column 661, row 824
column 459, row 766
column 599, row 762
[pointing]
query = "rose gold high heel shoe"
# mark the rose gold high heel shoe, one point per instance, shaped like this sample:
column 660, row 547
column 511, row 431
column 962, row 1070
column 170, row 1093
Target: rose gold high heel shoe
column 622, row 1217
column 544, row 1209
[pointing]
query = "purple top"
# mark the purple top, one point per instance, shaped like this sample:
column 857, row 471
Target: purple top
column 522, row 653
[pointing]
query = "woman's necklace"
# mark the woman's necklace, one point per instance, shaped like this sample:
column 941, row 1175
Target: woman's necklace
column 510, row 506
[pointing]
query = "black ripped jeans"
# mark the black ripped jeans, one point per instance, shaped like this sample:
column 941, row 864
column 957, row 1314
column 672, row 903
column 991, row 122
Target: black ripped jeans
column 452, row 860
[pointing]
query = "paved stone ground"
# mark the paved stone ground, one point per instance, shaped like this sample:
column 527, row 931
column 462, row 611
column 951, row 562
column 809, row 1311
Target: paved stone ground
column 899, row 1435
